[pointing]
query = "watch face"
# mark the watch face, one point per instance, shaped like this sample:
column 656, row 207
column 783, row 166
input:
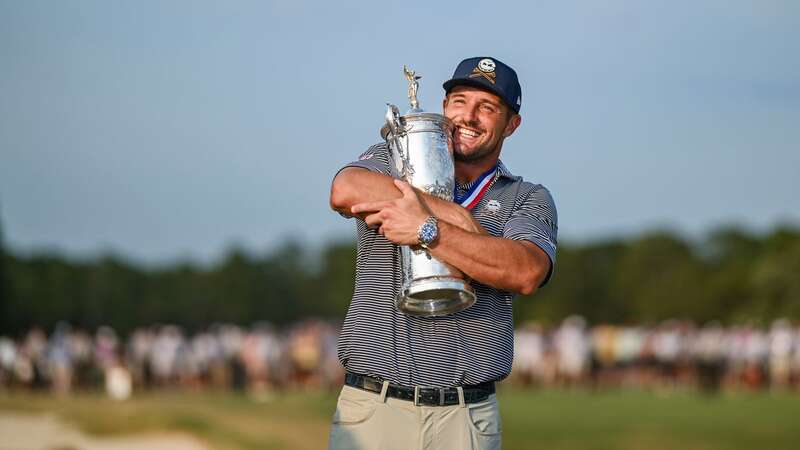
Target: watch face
column 427, row 233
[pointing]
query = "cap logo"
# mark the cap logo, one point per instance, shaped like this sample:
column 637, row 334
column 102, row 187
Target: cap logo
column 485, row 69
column 486, row 65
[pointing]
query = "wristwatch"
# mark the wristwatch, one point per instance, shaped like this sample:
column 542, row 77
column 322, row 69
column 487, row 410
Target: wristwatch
column 428, row 232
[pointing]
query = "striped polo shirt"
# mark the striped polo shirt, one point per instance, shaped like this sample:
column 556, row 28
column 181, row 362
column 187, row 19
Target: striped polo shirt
column 469, row 347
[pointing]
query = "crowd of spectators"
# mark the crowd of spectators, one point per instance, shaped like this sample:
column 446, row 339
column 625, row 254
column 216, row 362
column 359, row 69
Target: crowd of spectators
column 263, row 359
column 672, row 354
column 256, row 360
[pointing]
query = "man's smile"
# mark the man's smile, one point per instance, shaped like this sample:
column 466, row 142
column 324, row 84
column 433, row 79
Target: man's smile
column 467, row 132
column 465, row 135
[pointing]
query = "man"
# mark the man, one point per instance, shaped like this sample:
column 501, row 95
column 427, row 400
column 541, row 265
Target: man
column 428, row 382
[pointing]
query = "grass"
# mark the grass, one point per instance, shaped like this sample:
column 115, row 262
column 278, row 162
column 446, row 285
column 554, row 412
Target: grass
column 556, row 420
column 553, row 420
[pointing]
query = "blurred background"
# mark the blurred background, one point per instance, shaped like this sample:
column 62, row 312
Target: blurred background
column 171, row 275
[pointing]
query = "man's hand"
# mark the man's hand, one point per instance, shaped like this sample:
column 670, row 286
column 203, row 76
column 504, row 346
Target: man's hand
column 355, row 185
column 398, row 220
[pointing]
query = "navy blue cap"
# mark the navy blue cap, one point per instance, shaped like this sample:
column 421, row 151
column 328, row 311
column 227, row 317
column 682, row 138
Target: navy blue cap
column 490, row 74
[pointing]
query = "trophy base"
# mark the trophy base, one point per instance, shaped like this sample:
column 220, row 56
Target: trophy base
column 436, row 296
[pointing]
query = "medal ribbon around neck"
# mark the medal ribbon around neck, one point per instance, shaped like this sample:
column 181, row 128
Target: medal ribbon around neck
column 476, row 192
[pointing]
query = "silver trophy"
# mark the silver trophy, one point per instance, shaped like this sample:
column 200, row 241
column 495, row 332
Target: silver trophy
column 422, row 153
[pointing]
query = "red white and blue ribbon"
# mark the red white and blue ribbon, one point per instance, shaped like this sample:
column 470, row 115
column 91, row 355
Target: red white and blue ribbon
column 475, row 193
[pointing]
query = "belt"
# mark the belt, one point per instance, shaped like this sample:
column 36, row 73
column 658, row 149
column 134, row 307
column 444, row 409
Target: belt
column 422, row 395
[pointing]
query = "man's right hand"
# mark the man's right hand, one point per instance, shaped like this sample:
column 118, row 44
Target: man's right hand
column 354, row 185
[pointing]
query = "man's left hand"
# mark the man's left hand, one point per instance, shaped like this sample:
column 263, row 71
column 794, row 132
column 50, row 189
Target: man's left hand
column 398, row 220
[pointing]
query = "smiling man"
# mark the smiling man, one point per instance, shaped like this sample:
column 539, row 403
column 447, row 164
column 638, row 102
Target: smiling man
column 428, row 382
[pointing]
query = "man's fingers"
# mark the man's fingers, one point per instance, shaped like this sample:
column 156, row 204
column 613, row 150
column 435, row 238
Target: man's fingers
column 405, row 188
column 373, row 220
column 369, row 206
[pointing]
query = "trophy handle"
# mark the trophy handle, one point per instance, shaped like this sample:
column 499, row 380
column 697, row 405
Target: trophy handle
column 396, row 128
column 392, row 118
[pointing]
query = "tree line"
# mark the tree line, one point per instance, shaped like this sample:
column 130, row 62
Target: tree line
column 730, row 275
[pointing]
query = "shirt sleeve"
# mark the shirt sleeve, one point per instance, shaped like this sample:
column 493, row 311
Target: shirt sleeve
column 536, row 221
column 375, row 159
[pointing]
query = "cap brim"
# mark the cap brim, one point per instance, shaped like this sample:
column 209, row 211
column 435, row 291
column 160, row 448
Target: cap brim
column 477, row 83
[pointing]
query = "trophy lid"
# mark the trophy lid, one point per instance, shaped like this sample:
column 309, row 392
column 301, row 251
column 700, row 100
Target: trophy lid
column 419, row 121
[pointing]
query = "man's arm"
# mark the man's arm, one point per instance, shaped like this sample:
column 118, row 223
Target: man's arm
column 516, row 266
column 354, row 185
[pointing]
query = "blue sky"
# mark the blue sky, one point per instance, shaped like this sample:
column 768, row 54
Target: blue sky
column 165, row 130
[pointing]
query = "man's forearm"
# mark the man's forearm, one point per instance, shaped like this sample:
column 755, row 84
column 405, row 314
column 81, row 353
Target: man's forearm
column 516, row 266
column 354, row 185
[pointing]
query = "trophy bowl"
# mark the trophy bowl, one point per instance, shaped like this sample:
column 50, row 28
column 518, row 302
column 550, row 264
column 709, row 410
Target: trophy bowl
column 421, row 149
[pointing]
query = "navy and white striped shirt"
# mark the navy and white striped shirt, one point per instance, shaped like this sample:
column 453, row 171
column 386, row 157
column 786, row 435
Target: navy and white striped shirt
column 468, row 347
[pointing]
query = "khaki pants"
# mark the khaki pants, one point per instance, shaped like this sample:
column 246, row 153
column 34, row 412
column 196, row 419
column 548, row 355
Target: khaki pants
column 369, row 421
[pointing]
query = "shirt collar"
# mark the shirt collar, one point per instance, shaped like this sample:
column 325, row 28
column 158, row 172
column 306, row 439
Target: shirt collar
column 502, row 171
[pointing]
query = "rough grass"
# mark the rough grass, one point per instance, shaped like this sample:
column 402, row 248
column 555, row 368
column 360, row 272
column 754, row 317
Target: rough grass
column 552, row 420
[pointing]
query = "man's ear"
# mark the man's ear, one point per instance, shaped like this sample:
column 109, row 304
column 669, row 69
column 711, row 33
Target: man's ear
column 512, row 125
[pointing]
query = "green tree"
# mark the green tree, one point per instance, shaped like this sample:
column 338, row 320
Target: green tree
column 657, row 277
column 335, row 280
column 4, row 283
column 775, row 279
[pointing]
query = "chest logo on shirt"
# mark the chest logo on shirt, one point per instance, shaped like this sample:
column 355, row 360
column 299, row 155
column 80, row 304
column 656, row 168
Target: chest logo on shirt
column 365, row 157
column 492, row 207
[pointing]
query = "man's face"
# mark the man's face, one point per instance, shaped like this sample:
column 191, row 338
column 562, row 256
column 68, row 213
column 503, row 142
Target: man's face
column 481, row 122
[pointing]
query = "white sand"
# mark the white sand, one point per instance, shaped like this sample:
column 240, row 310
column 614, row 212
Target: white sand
column 47, row 432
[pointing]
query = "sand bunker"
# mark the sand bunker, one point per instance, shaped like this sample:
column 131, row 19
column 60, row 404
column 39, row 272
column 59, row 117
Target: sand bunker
column 47, row 432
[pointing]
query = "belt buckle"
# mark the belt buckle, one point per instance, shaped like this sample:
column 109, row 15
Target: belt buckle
column 418, row 390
